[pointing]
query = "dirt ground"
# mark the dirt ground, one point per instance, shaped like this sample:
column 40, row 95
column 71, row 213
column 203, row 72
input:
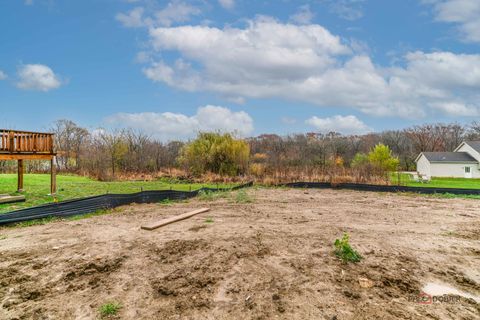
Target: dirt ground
column 269, row 259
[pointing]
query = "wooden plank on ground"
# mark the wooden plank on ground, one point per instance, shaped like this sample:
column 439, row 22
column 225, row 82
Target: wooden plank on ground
column 10, row 199
column 164, row 222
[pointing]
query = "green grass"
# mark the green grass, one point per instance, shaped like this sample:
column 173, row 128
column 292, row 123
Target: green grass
column 243, row 197
column 94, row 214
column 213, row 195
column 209, row 220
column 165, row 202
column 35, row 222
column 110, row 309
column 448, row 183
column 452, row 196
column 72, row 218
column 406, row 180
column 37, row 188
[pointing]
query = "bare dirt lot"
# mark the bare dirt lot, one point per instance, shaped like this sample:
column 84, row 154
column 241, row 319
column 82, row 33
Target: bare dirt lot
column 269, row 259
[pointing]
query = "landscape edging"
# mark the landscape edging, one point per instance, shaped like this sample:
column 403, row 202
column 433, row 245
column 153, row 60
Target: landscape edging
column 109, row 201
column 380, row 188
column 101, row 202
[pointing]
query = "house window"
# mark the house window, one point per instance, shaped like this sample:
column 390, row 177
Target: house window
column 467, row 169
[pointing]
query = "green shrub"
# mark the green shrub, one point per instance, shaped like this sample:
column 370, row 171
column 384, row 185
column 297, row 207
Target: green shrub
column 359, row 160
column 382, row 158
column 216, row 153
column 344, row 250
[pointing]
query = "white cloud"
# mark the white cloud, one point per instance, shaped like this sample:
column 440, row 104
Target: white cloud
column 442, row 70
column 175, row 11
column 37, row 77
column 277, row 41
column 28, row 2
column 464, row 13
column 180, row 75
column 347, row 9
column 143, row 57
column 457, row 109
column 303, row 16
column 214, row 118
column 132, row 19
column 3, row 75
column 160, row 72
column 170, row 126
column 342, row 124
column 236, row 60
column 227, row 4
column 308, row 63
column 437, row 79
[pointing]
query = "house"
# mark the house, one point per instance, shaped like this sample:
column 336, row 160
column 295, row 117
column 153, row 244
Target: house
column 463, row 162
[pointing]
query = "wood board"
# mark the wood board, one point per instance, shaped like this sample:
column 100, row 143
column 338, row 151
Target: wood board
column 164, row 222
column 11, row 199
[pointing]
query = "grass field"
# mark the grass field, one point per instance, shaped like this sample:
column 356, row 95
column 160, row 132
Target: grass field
column 463, row 183
column 37, row 188
column 449, row 183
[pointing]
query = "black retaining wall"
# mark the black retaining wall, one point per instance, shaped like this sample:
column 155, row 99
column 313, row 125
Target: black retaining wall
column 377, row 188
column 102, row 202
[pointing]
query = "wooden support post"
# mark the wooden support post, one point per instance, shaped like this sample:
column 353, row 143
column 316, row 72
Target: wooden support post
column 20, row 175
column 53, row 177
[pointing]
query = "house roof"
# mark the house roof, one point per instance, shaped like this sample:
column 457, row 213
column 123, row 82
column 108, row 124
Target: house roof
column 474, row 144
column 449, row 156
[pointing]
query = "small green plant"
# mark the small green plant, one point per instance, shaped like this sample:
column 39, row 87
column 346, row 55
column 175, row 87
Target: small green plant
column 205, row 195
column 209, row 220
column 3, row 236
column 110, row 309
column 243, row 197
column 211, row 195
column 166, row 202
column 449, row 234
column 344, row 250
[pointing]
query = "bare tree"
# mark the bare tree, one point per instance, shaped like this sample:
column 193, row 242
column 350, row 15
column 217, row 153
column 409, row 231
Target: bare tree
column 69, row 140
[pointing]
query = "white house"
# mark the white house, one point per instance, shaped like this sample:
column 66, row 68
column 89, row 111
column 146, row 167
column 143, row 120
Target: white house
column 463, row 162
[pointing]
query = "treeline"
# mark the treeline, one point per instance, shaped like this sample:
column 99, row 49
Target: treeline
column 107, row 155
column 316, row 149
column 117, row 154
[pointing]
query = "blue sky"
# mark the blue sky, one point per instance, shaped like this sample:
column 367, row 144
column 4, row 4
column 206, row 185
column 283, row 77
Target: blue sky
column 171, row 68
